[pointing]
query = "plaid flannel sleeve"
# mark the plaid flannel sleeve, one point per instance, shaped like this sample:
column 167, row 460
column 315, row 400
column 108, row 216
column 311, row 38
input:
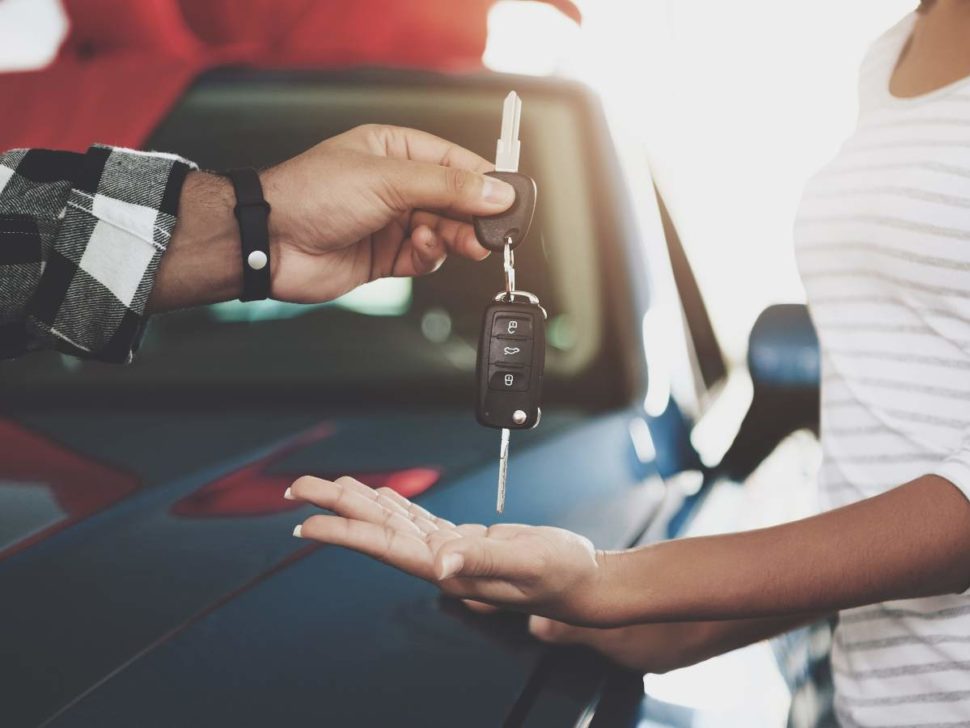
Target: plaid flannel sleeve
column 81, row 236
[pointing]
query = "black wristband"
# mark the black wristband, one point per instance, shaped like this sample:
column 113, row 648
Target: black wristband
column 252, row 214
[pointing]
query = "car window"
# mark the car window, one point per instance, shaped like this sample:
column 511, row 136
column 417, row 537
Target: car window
column 409, row 339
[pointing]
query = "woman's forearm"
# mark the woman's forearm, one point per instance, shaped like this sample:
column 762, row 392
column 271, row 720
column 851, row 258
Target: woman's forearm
column 912, row 541
column 709, row 639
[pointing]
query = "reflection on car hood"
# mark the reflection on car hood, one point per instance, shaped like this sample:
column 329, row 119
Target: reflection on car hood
column 121, row 530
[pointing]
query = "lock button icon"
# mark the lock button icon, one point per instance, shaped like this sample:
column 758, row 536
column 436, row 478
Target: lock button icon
column 512, row 380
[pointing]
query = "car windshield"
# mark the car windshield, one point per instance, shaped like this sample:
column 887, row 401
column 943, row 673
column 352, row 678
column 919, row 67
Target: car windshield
column 406, row 339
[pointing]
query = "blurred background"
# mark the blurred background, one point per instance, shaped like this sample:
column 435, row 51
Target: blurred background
column 735, row 104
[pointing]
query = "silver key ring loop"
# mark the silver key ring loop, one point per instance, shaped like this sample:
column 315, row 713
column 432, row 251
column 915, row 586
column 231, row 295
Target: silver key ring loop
column 509, row 297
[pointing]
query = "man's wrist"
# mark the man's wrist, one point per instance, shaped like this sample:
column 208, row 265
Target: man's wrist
column 202, row 263
column 273, row 194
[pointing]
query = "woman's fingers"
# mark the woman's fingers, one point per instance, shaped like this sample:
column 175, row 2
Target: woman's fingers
column 346, row 500
column 479, row 607
column 405, row 551
column 551, row 630
column 485, row 564
column 413, row 510
column 326, row 494
column 500, row 592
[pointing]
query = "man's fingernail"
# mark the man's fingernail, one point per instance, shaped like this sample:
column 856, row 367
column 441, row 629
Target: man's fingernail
column 288, row 494
column 298, row 531
column 497, row 191
column 450, row 565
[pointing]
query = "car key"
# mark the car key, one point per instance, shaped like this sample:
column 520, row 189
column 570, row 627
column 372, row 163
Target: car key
column 511, row 359
column 508, row 229
column 511, row 350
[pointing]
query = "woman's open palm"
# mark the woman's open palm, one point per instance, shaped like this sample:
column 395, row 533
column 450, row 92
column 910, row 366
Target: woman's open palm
column 539, row 569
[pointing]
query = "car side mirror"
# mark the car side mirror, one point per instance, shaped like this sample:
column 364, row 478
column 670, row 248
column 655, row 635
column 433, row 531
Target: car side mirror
column 785, row 363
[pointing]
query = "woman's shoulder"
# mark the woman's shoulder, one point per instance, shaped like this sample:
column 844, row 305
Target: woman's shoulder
column 881, row 58
column 885, row 50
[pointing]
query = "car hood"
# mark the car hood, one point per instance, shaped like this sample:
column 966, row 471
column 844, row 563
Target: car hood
column 147, row 564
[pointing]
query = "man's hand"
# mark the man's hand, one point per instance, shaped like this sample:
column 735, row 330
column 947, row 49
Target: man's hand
column 374, row 202
column 542, row 570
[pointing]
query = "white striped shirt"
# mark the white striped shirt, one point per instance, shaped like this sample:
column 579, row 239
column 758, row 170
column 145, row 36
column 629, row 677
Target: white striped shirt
column 883, row 245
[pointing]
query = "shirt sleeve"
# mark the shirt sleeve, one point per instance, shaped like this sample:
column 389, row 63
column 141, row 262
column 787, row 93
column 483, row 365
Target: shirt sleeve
column 956, row 468
column 81, row 236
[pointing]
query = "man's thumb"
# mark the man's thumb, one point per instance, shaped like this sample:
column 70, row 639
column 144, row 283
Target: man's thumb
column 450, row 189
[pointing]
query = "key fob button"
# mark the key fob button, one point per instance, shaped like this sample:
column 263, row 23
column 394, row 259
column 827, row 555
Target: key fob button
column 510, row 380
column 510, row 351
column 505, row 325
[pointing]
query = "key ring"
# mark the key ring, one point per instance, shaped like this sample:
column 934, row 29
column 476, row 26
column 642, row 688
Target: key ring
column 509, row 297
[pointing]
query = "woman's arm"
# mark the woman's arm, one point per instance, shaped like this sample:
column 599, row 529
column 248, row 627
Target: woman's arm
column 912, row 541
column 909, row 542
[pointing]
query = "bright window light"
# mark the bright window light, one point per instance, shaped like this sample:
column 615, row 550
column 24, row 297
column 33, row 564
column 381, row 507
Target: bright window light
column 528, row 37
column 736, row 105
column 31, row 32
column 383, row 297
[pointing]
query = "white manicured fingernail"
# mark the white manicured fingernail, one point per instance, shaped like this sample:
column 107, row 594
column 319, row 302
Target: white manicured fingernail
column 298, row 531
column 450, row 565
column 288, row 494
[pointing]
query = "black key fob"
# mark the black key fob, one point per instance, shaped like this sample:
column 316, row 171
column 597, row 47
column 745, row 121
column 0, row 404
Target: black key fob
column 512, row 225
column 511, row 358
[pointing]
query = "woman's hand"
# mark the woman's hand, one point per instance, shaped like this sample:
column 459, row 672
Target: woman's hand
column 542, row 570
column 653, row 648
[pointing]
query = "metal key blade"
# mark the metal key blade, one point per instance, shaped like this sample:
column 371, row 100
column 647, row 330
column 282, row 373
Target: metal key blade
column 503, row 469
column 507, row 148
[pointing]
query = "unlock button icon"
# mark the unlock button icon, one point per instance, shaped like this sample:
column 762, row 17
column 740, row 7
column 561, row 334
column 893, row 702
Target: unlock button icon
column 510, row 351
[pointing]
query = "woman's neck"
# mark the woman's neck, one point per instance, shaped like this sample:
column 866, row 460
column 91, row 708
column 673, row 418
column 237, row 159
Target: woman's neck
column 938, row 53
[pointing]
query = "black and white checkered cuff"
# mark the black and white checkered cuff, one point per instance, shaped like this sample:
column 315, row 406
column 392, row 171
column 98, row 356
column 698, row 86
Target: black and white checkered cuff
column 100, row 266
